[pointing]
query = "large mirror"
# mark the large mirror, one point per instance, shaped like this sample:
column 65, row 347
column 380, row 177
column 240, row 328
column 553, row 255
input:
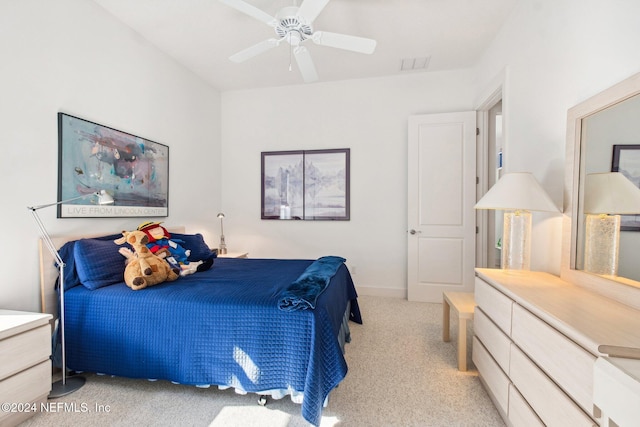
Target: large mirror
column 594, row 127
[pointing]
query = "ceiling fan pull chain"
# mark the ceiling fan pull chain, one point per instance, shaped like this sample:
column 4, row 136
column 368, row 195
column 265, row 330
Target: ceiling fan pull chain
column 290, row 54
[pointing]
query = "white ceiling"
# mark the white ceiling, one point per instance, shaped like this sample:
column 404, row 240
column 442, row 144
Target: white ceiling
column 202, row 34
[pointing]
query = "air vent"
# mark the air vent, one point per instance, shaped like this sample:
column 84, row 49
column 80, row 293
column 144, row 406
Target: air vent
column 412, row 64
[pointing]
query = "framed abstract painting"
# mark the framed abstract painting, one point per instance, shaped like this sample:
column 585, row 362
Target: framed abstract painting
column 93, row 157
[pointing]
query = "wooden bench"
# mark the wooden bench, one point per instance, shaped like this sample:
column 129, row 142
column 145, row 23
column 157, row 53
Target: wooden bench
column 463, row 304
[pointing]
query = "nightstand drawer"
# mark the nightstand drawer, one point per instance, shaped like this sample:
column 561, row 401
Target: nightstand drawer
column 31, row 385
column 616, row 390
column 25, row 349
column 568, row 364
column 495, row 304
column 494, row 340
column 496, row 380
column 549, row 402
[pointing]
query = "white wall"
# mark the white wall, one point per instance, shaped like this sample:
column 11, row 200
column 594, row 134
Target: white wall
column 557, row 53
column 367, row 116
column 72, row 56
column 554, row 54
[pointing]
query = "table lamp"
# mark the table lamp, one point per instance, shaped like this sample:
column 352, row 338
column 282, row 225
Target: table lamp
column 606, row 196
column 65, row 385
column 518, row 194
column 222, row 249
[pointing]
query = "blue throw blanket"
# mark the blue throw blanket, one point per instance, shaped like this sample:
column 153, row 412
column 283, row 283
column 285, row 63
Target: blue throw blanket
column 303, row 293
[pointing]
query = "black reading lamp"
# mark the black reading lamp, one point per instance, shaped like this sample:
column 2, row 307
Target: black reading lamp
column 223, row 246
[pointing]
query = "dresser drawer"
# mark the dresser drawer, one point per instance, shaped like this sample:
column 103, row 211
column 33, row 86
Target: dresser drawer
column 568, row 364
column 520, row 413
column 28, row 386
column 496, row 381
column 494, row 340
column 549, row 402
column 25, row 349
column 495, row 304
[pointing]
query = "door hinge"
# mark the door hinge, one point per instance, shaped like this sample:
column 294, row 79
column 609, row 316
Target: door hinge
column 477, row 131
column 477, row 180
column 477, row 230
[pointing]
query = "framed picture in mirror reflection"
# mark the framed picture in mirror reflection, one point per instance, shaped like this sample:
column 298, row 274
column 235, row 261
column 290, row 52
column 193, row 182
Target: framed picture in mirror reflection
column 626, row 160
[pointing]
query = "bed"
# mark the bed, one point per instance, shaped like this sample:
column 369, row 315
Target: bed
column 227, row 326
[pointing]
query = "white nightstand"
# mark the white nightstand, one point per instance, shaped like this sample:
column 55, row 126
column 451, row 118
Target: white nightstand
column 25, row 371
column 234, row 255
column 616, row 391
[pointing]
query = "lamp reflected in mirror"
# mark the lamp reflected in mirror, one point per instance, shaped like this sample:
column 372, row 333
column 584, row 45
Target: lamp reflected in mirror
column 606, row 196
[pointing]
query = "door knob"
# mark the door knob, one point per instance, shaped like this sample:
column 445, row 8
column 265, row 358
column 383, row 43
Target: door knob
column 412, row 231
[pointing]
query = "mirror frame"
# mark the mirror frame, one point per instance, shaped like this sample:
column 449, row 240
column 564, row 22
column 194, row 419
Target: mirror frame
column 624, row 290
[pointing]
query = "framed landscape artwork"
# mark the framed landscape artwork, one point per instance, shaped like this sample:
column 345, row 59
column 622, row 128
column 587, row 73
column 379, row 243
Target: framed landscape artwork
column 306, row 184
column 93, row 157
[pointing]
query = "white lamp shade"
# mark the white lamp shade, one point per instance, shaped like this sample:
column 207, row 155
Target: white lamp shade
column 610, row 193
column 517, row 191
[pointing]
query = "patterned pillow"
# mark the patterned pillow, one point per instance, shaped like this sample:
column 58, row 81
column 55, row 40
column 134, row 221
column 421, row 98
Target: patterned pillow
column 98, row 263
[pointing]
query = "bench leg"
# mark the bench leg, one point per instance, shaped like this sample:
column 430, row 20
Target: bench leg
column 445, row 320
column 462, row 345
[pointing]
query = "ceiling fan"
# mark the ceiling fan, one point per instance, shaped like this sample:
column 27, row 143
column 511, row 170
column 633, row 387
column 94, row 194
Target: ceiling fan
column 293, row 25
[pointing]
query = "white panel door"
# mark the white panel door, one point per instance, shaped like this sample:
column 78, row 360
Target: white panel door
column 441, row 222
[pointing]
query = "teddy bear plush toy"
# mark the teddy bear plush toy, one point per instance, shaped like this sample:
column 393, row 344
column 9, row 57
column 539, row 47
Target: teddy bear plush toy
column 143, row 268
column 160, row 243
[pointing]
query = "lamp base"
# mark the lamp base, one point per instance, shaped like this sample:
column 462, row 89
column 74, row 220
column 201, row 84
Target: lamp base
column 602, row 244
column 516, row 243
column 71, row 384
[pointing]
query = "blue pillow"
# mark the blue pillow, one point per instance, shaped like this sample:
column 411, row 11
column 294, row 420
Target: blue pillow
column 98, row 263
column 200, row 251
column 71, row 278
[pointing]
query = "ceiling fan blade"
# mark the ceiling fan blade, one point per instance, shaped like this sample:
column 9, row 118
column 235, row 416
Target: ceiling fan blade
column 310, row 9
column 252, row 11
column 305, row 64
column 343, row 41
column 254, row 50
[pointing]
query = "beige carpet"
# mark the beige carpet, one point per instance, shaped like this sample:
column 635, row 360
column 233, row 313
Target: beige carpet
column 400, row 374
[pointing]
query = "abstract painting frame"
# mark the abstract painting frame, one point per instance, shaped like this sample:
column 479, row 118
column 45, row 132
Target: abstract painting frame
column 306, row 185
column 626, row 160
column 94, row 157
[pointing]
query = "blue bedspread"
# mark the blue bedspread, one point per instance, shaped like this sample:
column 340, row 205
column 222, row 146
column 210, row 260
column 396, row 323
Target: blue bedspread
column 218, row 327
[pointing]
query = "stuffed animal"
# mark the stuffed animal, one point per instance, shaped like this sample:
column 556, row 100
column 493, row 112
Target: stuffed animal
column 161, row 244
column 143, row 267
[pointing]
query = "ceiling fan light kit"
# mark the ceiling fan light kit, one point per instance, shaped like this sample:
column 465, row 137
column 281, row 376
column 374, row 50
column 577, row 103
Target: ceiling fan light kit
column 293, row 25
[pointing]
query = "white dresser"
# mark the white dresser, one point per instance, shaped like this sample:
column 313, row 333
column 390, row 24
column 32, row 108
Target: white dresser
column 25, row 367
column 537, row 339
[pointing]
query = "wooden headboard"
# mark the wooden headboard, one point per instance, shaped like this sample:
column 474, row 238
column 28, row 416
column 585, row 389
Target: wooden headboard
column 49, row 271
